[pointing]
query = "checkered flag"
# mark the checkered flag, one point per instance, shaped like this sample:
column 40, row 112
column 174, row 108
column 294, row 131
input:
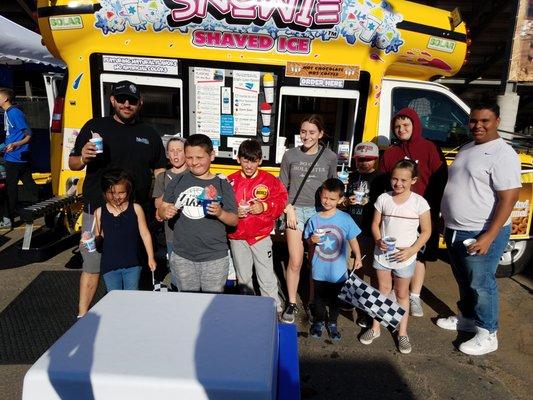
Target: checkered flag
column 360, row 294
column 158, row 286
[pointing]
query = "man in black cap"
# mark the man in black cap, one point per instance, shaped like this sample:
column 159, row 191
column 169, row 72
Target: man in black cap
column 128, row 144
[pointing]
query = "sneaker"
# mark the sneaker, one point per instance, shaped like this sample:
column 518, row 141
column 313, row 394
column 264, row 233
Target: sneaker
column 316, row 330
column 369, row 336
column 404, row 345
column 333, row 332
column 290, row 312
column 457, row 323
column 364, row 321
column 483, row 343
column 415, row 307
column 5, row 224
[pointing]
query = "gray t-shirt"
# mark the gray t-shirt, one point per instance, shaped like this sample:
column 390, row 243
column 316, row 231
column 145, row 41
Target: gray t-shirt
column 161, row 182
column 198, row 237
column 477, row 173
column 294, row 166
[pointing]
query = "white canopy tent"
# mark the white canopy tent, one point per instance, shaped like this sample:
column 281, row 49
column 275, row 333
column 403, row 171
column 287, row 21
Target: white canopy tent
column 20, row 45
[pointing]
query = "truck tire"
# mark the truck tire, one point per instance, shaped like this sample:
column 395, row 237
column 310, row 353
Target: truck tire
column 515, row 258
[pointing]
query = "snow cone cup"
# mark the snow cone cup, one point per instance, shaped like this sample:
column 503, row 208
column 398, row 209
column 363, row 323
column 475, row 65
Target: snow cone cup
column 244, row 206
column 390, row 242
column 206, row 202
column 469, row 242
column 265, row 134
column 266, row 112
column 99, row 143
column 359, row 196
column 268, row 87
column 87, row 239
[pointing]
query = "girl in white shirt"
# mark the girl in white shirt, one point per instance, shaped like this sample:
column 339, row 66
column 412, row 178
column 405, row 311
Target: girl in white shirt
column 398, row 215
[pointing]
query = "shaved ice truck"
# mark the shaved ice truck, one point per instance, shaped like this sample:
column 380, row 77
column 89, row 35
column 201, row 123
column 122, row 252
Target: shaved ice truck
column 236, row 70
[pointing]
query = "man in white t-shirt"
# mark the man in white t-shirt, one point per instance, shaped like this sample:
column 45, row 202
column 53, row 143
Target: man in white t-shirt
column 483, row 186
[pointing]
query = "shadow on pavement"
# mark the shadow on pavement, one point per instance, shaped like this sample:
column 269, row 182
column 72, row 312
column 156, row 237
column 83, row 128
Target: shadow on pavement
column 331, row 378
column 39, row 315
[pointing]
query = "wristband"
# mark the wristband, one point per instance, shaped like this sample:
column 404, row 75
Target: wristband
column 83, row 163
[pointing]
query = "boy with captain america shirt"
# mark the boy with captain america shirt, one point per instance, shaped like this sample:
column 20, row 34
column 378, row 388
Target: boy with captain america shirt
column 261, row 198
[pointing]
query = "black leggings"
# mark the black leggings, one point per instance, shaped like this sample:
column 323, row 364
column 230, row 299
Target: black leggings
column 14, row 173
column 326, row 295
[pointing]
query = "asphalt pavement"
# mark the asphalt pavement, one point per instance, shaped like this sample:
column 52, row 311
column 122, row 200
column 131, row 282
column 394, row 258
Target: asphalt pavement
column 349, row 370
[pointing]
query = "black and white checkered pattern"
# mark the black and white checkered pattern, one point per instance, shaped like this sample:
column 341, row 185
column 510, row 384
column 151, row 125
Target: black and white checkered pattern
column 360, row 294
column 158, row 286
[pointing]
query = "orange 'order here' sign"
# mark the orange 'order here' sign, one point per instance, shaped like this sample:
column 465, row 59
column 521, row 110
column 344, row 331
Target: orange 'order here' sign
column 328, row 71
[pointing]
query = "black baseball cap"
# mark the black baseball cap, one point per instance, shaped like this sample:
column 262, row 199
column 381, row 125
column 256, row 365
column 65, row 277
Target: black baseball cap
column 126, row 88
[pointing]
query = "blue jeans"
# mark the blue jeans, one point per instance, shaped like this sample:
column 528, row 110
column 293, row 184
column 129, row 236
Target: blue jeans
column 123, row 279
column 476, row 276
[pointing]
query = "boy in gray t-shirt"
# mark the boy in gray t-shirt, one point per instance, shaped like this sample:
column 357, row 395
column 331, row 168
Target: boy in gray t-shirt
column 199, row 259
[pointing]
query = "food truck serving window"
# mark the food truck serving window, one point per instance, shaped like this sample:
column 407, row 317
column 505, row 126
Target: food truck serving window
column 338, row 108
column 162, row 101
column 231, row 103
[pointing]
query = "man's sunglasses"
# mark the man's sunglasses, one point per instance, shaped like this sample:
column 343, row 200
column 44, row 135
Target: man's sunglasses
column 364, row 159
column 121, row 98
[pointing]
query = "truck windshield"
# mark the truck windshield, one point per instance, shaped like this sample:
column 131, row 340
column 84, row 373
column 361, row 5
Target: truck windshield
column 444, row 122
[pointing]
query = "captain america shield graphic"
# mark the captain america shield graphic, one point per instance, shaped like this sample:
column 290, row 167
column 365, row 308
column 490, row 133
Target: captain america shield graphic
column 330, row 245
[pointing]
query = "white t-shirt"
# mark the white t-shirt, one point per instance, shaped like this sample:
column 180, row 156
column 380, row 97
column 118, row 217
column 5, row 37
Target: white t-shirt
column 400, row 221
column 477, row 173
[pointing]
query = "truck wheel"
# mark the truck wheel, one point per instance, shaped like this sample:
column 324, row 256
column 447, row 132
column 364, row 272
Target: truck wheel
column 517, row 255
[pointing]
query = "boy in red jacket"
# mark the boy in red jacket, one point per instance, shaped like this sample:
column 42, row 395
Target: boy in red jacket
column 261, row 198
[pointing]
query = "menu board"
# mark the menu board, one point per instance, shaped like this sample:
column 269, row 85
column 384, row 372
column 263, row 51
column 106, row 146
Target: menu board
column 245, row 102
column 208, row 83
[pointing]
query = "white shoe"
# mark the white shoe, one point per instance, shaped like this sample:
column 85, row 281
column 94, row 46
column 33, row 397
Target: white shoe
column 483, row 343
column 457, row 323
column 415, row 307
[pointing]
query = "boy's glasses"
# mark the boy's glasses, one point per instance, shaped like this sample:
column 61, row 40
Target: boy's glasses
column 121, row 98
column 365, row 159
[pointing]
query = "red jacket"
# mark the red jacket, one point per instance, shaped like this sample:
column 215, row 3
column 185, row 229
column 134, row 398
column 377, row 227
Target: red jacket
column 267, row 189
column 418, row 149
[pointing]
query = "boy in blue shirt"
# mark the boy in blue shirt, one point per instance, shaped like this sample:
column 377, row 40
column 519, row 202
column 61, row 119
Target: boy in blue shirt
column 328, row 232
column 17, row 149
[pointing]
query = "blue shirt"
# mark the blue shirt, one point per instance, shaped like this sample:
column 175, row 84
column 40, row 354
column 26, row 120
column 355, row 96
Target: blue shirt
column 330, row 259
column 16, row 128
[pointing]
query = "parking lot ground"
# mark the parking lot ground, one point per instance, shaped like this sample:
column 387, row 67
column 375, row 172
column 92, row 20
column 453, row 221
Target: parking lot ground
column 349, row 370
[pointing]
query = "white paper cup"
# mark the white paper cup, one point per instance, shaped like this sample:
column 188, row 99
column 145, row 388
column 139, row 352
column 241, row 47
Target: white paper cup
column 269, row 94
column 265, row 116
column 88, row 241
column 390, row 242
column 99, row 143
column 359, row 196
column 469, row 242
column 244, row 207
column 265, row 134
column 319, row 232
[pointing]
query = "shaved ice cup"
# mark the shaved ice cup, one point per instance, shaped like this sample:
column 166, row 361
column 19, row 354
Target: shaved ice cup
column 205, row 203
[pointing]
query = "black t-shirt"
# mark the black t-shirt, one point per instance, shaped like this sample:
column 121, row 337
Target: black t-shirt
column 372, row 184
column 135, row 147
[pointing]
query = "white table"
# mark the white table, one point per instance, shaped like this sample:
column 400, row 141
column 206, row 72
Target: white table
column 149, row 345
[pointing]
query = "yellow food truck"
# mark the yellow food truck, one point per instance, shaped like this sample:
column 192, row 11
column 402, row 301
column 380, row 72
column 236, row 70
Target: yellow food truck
column 240, row 69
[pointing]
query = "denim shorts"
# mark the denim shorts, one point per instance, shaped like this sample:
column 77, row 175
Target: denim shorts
column 302, row 216
column 405, row 272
